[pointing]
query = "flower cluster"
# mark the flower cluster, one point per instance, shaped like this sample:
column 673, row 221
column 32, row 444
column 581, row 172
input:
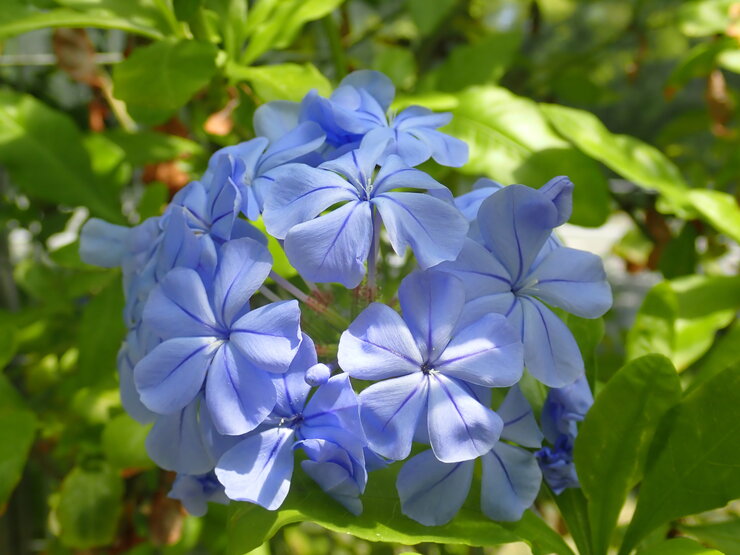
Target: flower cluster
column 234, row 386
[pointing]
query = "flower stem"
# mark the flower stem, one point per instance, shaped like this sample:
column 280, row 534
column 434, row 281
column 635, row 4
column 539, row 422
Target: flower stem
column 372, row 260
column 329, row 314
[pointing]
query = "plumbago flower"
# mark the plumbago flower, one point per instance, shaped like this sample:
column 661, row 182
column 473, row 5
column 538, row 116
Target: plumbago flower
column 210, row 335
column 433, row 491
column 515, row 269
column 333, row 247
column 327, row 428
column 430, row 361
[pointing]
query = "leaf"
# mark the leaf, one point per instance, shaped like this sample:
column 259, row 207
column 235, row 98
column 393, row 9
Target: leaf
column 724, row 354
column 702, row 18
column 150, row 147
column 723, row 535
column 693, row 461
column 588, row 334
column 141, row 17
column 381, row 520
column 8, row 344
column 157, row 79
column 281, row 81
column 719, row 209
column 280, row 263
column 511, row 142
column 614, row 437
column 678, row 546
column 43, row 151
column 654, row 328
column 17, row 432
column 89, row 506
column 124, row 443
column 428, row 20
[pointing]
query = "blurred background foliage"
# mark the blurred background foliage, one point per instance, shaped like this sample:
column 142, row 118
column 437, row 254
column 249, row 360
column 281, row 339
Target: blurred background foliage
column 107, row 107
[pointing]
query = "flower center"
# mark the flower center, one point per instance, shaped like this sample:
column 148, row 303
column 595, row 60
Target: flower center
column 427, row 368
column 291, row 422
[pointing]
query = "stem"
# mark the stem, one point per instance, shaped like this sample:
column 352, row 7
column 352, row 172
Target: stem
column 164, row 8
column 289, row 287
column 372, row 260
column 331, row 315
column 335, row 45
column 117, row 106
column 270, row 294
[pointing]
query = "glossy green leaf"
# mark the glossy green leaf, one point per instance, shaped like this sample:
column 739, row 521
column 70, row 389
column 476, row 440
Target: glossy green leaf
column 382, row 520
column 149, row 147
column 88, row 507
column 43, row 151
column 282, row 81
column 678, row 546
column 725, row 353
column 692, row 465
column 157, row 79
column 511, row 142
column 653, row 330
column 702, row 18
column 124, row 443
column 718, row 208
column 280, row 263
column 723, row 535
column 17, row 432
column 613, row 439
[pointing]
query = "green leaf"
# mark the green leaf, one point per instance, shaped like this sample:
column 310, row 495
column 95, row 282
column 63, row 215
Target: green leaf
column 692, row 465
column 141, row 17
column 653, row 330
column 8, row 344
column 150, row 147
column 702, row 18
column 719, row 209
column 382, row 520
column 698, row 62
column 730, row 59
column 588, row 334
column 280, row 263
column 724, row 354
column 281, row 81
column 723, row 535
column 613, row 440
column 427, row 20
column 157, row 79
column 124, row 443
column 88, row 507
column 511, row 142
column 43, row 151
column 17, row 432
column 679, row 546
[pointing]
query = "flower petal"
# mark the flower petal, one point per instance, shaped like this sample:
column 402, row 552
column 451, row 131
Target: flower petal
column 259, row 468
column 396, row 174
column 460, row 428
column 103, row 244
column 510, row 482
column 519, row 423
column 269, row 336
column 551, row 353
column 333, row 247
column 335, row 404
column 413, row 219
column 560, row 191
column 432, row 491
column 304, row 138
column 446, row 150
column 377, row 345
column 479, row 271
column 175, row 443
column 274, row 119
column 171, row 375
column 390, row 410
column 377, row 84
column 291, row 387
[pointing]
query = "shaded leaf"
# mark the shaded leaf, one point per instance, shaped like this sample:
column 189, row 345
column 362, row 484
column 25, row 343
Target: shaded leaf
column 678, row 546
column 282, row 81
column 124, row 443
column 723, row 535
column 17, row 432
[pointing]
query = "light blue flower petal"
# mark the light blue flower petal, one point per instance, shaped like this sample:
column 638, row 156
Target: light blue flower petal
column 390, row 410
column 333, row 247
column 564, row 408
column 174, row 443
column 515, row 223
column 431, row 303
column 103, row 244
column 318, row 374
column 413, row 219
column 269, row 336
column 335, row 404
column 487, row 352
column 409, row 148
column 377, row 84
column 431, row 491
column 243, row 266
column 503, row 303
column 396, row 174
column 299, row 194
column 259, row 468
column 179, row 307
column 239, row 397
column 378, row 345
column 560, row 191
column 337, row 482
column 216, row 443
column 446, row 150
column 129, row 396
column 479, row 271
column 572, row 280
column 460, row 428
column 180, row 247
column 305, row 138
column 510, row 482
column 291, row 387
column 520, row 425
column 195, row 492
column 417, row 116
column 358, row 165
column 274, row 119
column 170, row 376
column 469, row 203
column 551, row 353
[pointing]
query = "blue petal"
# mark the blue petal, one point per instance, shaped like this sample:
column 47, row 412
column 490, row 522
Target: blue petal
column 175, row 443
column 180, row 247
column 259, row 468
column 560, row 191
column 557, row 465
column 239, row 397
column 479, row 271
column 431, row 491
column 333, row 247
column 171, row 375
column 487, row 352
column 551, row 353
column 335, row 404
column 409, row 148
column 269, row 336
column 520, row 425
column 564, row 407
column 431, row 303
column 243, row 266
column 572, row 280
column 274, row 119
column 413, row 219
column 337, row 482
column 510, row 482
column 318, row 374
column 224, row 199
column 179, row 307
column 129, row 396
column 446, row 150
column 291, row 387
column 103, row 244
column 195, row 492
column 377, row 345
column 460, row 428
column 515, row 223
column 390, row 410
column 469, row 203
column 305, row 138
column 377, row 84
column 300, row 193
column 358, row 165
column 418, row 116
column 396, row 174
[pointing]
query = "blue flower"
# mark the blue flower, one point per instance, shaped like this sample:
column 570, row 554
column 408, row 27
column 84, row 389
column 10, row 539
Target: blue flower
column 430, row 362
column 333, row 247
column 259, row 468
column 433, row 491
column 211, row 336
column 516, row 268
column 195, row 492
